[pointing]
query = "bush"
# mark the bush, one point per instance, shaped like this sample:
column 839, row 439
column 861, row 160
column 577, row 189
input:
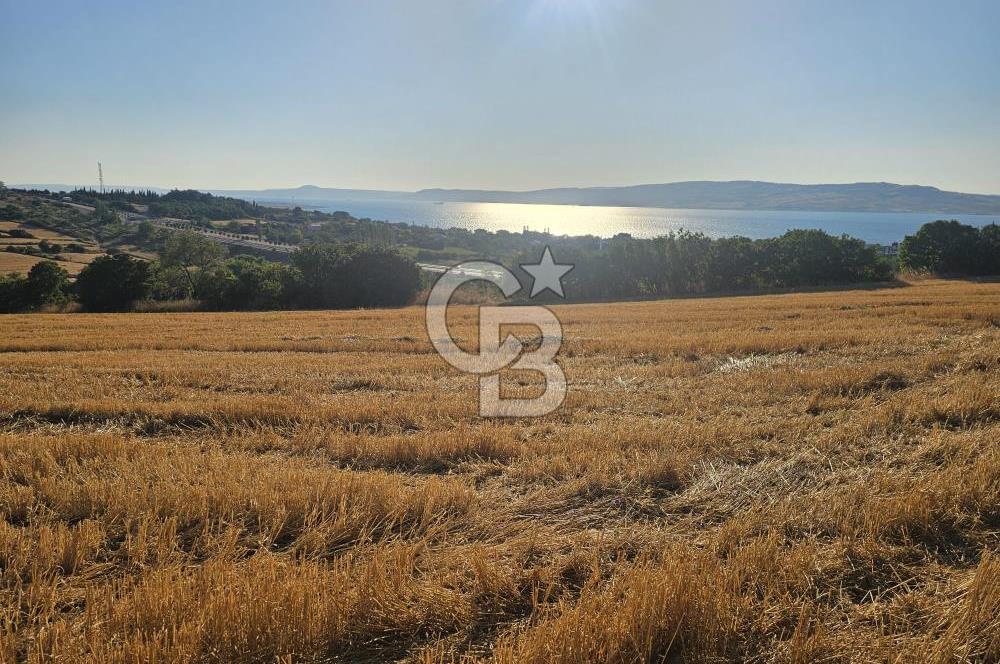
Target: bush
column 47, row 247
column 27, row 249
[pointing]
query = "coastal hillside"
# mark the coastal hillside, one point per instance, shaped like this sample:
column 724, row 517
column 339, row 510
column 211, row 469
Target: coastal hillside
column 735, row 195
column 746, row 195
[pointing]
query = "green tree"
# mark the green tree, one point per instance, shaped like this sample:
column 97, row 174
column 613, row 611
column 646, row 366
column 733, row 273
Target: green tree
column 333, row 276
column 379, row 277
column 321, row 279
column 113, row 283
column 260, row 284
column 12, row 293
column 168, row 283
column 732, row 264
column 940, row 247
column 249, row 282
column 104, row 214
column 679, row 264
column 146, row 234
column 190, row 251
column 214, row 286
column 989, row 250
column 47, row 283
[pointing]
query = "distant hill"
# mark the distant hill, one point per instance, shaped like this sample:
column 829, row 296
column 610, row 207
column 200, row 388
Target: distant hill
column 736, row 195
column 745, row 195
column 308, row 192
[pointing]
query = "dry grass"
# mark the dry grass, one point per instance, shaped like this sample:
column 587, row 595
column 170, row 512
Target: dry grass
column 15, row 262
column 788, row 478
column 38, row 232
column 12, row 262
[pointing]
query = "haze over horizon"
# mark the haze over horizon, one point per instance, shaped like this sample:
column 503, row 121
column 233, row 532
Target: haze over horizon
column 323, row 187
column 509, row 96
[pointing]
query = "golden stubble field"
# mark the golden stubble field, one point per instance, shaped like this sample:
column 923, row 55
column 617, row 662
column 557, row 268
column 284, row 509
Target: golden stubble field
column 22, row 263
column 803, row 478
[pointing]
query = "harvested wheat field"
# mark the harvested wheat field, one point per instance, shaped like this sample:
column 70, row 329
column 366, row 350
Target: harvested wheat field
column 810, row 477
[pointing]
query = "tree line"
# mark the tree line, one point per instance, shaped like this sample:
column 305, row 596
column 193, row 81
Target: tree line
column 686, row 263
column 186, row 204
column 336, row 275
column 320, row 276
column 950, row 247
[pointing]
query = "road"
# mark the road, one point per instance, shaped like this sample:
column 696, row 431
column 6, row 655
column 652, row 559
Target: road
column 465, row 272
column 219, row 236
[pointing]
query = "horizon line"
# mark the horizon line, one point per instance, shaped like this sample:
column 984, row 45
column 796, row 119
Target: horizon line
column 504, row 191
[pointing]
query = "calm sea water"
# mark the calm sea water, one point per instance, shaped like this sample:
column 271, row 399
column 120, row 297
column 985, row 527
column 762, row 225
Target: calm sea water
column 883, row 227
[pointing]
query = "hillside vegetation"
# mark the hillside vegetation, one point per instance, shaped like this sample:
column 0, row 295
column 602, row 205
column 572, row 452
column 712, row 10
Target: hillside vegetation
column 33, row 230
column 789, row 478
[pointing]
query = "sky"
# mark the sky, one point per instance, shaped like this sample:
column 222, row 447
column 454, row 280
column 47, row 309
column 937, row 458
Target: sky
column 500, row 94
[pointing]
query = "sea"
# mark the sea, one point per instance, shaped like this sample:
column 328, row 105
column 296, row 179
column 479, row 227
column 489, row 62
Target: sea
column 604, row 221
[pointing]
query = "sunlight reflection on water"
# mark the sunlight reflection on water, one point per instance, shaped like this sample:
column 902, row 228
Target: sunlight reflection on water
column 640, row 222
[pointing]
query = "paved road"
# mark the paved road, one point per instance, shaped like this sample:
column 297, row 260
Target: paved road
column 482, row 274
column 219, row 236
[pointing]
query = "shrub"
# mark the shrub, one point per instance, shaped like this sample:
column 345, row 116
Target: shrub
column 47, row 247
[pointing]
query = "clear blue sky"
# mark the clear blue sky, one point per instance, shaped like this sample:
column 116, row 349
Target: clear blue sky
column 500, row 93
